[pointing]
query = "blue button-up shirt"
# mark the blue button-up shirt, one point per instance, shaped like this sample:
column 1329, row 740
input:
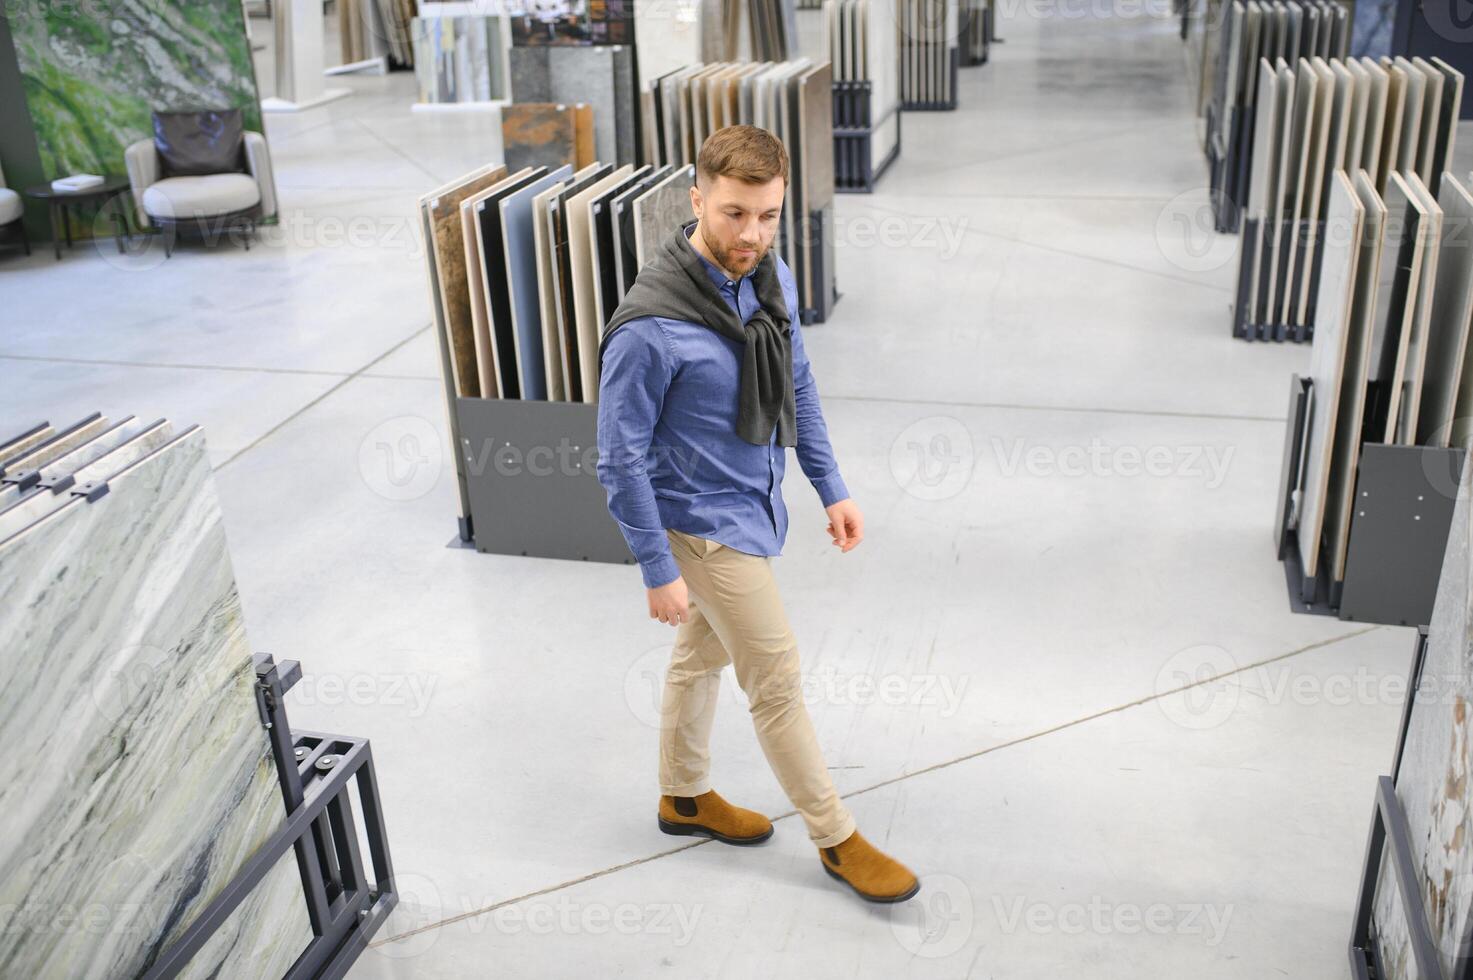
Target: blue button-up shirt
column 668, row 452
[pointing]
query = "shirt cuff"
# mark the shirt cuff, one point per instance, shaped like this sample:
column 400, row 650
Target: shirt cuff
column 831, row 489
column 660, row 571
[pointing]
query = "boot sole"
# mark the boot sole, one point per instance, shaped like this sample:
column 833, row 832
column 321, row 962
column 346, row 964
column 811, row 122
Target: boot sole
column 879, row 899
column 696, row 830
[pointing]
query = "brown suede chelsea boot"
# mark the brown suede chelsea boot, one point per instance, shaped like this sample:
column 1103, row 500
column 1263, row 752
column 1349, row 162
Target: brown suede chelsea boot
column 874, row 876
column 708, row 815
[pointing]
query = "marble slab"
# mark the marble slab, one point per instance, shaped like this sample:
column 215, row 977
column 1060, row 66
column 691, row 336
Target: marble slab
column 547, row 294
column 59, row 443
column 539, row 134
column 135, row 701
column 581, row 247
column 660, row 211
column 1334, row 303
column 1452, row 313
column 520, row 249
column 493, row 282
column 24, row 440
column 442, row 214
column 78, row 456
column 1434, row 779
column 1430, row 228
column 32, row 505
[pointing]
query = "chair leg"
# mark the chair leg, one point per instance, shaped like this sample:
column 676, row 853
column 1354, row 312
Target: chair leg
column 25, row 238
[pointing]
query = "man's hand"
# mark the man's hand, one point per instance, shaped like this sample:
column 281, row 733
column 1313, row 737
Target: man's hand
column 669, row 603
column 846, row 524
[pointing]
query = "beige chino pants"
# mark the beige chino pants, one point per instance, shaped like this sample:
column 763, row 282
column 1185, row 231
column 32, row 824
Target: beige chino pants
column 737, row 618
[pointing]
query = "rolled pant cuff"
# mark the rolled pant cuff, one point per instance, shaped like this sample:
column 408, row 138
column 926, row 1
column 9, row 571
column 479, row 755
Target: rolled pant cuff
column 838, row 836
column 687, row 789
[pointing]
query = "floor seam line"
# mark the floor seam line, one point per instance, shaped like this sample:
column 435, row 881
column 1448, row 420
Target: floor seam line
column 318, row 400
column 1021, row 740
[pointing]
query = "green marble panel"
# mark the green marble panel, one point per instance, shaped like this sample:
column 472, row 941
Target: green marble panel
column 93, row 71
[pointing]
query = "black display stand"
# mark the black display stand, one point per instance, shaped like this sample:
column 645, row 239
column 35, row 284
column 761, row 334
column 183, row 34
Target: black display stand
column 938, row 105
column 346, row 904
column 976, row 33
column 532, row 486
column 853, row 138
column 1389, row 835
column 1273, row 328
column 1403, row 510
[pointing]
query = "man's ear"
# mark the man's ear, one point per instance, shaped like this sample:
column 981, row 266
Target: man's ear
column 697, row 203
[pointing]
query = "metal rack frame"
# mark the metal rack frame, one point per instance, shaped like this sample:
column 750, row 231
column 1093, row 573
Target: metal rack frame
column 347, row 901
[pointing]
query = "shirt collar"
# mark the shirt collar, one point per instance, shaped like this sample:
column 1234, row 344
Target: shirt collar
column 717, row 276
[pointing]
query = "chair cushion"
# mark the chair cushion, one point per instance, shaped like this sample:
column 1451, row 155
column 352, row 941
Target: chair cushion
column 201, row 197
column 10, row 206
column 195, row 143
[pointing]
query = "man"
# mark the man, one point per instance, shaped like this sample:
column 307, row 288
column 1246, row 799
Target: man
column 703, row 385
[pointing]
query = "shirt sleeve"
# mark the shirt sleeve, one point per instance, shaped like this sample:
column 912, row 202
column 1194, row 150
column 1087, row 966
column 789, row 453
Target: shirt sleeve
column 633, row 379
column 815, row 454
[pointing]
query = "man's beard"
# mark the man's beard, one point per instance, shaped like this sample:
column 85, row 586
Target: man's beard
column 730, row 260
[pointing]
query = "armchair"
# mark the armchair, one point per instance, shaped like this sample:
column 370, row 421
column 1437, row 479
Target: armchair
column 12, row 213
column 210, row 202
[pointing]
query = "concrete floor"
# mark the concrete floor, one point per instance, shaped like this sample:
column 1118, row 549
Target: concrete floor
column 1063, row 686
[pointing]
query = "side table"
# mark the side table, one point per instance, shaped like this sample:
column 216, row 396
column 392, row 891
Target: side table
column 60, row 204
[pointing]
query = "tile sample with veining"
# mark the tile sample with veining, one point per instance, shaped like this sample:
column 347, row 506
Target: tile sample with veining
column 443, row 210
column 661, row 211
column 135, row 701
column 539, row 134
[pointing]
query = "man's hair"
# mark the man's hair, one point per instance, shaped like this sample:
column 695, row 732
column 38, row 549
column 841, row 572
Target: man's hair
column 745, row 153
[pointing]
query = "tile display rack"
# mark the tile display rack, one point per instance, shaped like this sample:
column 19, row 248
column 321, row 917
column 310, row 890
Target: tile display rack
column 530, row 483
column 1228, row 169
column 1242, row 327
column 933, row 105
column 525, row 469
column 977, row 33
column 1390, row 838
column 347, row 902
column 1404, row 497
column 853, row 136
